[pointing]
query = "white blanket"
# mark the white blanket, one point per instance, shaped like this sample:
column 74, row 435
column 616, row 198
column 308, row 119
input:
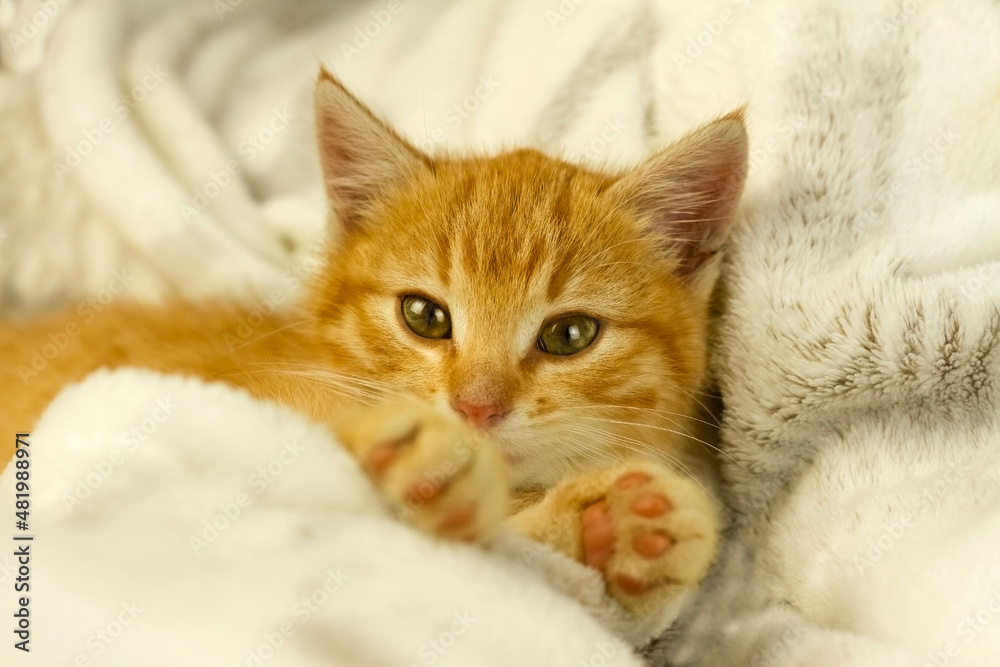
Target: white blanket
column 178, row 522
column 862, row 275
column 174, row 140
column 857, row 353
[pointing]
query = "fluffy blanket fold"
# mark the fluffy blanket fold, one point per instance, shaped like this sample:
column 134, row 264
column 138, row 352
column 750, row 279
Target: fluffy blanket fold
column 167, row 533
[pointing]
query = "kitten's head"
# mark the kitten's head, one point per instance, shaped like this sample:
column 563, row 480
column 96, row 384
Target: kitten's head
column 561, row 309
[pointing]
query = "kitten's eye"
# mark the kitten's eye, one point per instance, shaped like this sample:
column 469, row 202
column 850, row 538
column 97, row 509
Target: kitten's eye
column 426, row 318
column 568, row 335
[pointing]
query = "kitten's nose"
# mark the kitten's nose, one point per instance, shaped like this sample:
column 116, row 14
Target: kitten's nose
column 481, row 415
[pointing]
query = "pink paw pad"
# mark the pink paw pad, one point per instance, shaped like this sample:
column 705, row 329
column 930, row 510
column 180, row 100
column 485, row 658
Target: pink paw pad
column 652, row 545
column 422, row 492
column 600, row 534
column 630, row 480
column 456, row 519
column 631, row 586
column 380, row 458
column 383, row 455
column 650, row 505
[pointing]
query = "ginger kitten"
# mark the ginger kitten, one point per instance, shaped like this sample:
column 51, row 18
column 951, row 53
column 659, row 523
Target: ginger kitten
column 485, row 328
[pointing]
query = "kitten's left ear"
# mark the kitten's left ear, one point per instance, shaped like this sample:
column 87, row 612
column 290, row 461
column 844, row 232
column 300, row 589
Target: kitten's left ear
column 362, row 156
column 687, row 194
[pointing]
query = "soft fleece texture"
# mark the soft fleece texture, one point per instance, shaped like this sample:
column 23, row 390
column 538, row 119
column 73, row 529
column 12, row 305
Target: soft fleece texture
column 856, row 348
column 128, row 469
column 596, row 84
column 857, row 353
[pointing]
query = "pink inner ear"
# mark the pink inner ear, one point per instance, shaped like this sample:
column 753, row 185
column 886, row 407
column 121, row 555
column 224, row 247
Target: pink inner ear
column 361, row 155
column 689, row 192
column 347, row 194
column 694, row 223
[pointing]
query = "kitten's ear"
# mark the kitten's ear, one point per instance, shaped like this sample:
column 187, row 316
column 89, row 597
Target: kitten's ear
column 688, row 193
column 361, row 155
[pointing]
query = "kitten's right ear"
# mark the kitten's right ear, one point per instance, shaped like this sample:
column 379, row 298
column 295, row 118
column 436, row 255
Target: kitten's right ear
column 361, row 155
column 687, row 195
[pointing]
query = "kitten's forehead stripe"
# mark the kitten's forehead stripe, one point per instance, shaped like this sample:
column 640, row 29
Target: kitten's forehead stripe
column 461, row 197
column 470, row 254
column 534, row 261
column 561, row 207
column 444, row 257
column 560, row 274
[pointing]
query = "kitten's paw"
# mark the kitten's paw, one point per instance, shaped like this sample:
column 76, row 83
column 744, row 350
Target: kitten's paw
column 443, row 476
column 652, row 534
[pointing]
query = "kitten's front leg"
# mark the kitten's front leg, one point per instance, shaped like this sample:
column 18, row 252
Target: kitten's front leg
column 442, row 475
column 651, row 531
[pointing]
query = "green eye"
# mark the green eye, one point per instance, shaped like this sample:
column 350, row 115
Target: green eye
column 568, row 335
column 425, row 318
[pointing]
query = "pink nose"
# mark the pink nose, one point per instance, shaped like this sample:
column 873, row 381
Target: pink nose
column 482, row 415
